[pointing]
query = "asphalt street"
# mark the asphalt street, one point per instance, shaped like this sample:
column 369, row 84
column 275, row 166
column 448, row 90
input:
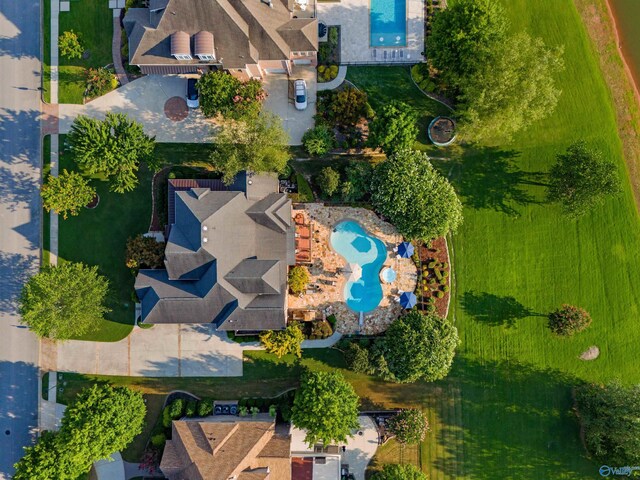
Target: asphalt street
column 19, row 221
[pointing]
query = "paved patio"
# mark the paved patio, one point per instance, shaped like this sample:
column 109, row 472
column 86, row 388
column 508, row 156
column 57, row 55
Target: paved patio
column 325, row 262
column 353, row 16
column 161, row 351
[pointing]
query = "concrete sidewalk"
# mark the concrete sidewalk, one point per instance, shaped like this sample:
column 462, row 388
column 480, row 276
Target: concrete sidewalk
column 143, row 100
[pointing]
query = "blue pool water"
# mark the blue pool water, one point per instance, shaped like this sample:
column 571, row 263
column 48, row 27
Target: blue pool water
column 388, row 23
column 355, row 245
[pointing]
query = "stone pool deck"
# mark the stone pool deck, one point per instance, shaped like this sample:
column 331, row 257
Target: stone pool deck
column 325, row 265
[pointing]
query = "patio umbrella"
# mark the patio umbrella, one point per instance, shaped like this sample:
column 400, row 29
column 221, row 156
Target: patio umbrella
column 405, row 250
column 354, row 272
column 408, row 300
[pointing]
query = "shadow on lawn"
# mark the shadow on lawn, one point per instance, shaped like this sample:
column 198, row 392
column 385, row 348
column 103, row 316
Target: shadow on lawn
column 491, row 179
column 495, row 310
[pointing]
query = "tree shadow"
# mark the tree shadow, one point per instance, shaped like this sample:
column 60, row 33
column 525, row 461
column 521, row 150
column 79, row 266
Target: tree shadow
column 15, row 270
column 490, row 178
column 495, row 310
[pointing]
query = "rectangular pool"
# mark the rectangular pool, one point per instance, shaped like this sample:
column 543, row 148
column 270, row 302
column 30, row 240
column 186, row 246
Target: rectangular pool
column 388, row 23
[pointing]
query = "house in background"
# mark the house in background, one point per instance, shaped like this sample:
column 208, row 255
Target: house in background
column 221, row 449
column 249, row 38
column 227, row 256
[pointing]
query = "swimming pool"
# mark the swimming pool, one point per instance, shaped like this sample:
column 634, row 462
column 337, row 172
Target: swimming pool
column 388, row 23
column 355, row 245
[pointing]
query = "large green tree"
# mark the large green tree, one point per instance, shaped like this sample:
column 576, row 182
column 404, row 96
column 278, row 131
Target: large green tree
column 255, row 144
column 464, row 37
column 508, row 93
column 111, row 149
column 358, row 181
column 394, row 471
column 419, row 201
column 417, row 346
column 328, row 180
column 223, row 94
column 64, row 301
column 100, row 421
column 326, row 407
column 610, row 417
column 66, row 193
column 582, row 179
column 394, row 127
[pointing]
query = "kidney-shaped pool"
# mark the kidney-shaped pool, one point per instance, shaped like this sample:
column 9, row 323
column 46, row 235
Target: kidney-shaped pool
column 357, row 246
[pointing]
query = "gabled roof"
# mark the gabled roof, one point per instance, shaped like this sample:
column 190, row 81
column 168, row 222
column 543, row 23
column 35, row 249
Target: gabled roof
column 242, row 31
column 221, row 448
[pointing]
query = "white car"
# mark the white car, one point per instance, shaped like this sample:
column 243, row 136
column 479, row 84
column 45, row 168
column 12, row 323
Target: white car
column 300, row 94
column 192, row 93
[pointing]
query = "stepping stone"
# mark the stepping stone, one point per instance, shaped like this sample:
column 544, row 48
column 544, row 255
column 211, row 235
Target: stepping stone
column 121, row 3
column 113, row 3
column 65, row 6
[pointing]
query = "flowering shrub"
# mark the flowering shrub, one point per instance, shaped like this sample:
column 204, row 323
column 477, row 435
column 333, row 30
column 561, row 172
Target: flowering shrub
column 568, row 320
column 409, row 426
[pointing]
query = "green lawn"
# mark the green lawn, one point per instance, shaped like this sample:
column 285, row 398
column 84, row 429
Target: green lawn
column 93, row 21
column 383, row 84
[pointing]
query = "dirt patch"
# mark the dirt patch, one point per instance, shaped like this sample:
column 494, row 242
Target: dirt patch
column 590, row 353
column 175, row 109
column 600, row 25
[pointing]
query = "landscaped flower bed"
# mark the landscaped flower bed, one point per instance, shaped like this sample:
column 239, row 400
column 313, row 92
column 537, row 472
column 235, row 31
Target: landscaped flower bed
column 433, row 286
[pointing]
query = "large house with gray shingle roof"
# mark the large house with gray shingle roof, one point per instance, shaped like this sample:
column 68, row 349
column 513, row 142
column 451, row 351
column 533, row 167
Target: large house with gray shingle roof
column 226, row 258
column 249, row 38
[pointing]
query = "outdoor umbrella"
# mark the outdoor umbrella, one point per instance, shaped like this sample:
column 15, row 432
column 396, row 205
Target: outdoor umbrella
column 408, row 300
column 354, row 272
column 405, row 250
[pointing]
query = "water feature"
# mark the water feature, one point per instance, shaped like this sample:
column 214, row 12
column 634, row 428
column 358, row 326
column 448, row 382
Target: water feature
column 357, row 246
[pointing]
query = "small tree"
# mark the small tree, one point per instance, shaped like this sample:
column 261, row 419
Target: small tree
column 569, row 320
column 326, row 407
column 328, row 180
column 394, row 128
column 69, row 45
column 64, row 301
column 222, row 93
column 66, row 193
column 358, row 181
column 394, row 471
column 609, row 416
column 283, row 342
column 255, row 144
column 318, row 140
column 409, row 426
column 357, row 358
column 144, row 252
column 581, row 180
column 345, row 107
column 298, row 279
column 417, row 346
column 419, row 201
column 112, row 148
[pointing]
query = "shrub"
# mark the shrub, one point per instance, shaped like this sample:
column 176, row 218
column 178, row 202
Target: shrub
column 222, row 93
column 445, row 288
column 285, row 411
column 358, row 178
column 409, row 426
column 569, row 320
column 318, row 140
column 320, row 329
column 328, row 180
column 190, row 409
column 158, row 440
column 176, row 408
column 298, row 279
column 273, row 410
column 205, row 407
column 439, row 294
column 69, row 45
column 255, row 411
column 144, row 252
column 332, row 36
column 357, row 358
column 243, row 411
column 283, row 342
column 166, row 417
column 332, row 321
column 99, row 81
column 394, row 471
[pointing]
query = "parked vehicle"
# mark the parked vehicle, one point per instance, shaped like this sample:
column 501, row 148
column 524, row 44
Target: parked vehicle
column 192, row 93
column 300, row 94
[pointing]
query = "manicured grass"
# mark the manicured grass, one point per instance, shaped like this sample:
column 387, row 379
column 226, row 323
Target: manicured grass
column 93, row 21
column 305, row 194
column 44, row 389
column 46, row 218
column 384, row 84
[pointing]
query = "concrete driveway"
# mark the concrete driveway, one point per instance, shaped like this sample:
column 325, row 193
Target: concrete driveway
column 161, row 351
column 144, row 100
column 280, row 101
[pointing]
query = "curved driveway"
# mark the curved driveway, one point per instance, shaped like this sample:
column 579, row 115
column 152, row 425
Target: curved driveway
column 19, row 220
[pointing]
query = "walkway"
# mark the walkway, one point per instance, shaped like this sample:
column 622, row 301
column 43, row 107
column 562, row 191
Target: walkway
column 336, row 82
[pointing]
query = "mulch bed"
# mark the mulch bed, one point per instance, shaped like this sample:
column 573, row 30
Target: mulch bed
column 93, row 203
column 437, row 252
column 443, row 130
column 175, row 109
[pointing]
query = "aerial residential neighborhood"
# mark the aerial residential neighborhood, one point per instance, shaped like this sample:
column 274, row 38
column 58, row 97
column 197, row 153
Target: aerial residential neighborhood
column 319, row 239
